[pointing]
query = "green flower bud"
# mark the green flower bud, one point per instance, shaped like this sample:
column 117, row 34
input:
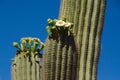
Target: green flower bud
column 49, row 31
column 34, row 46
column 36, row 40
column 41, row 47
column 15, row 44
column 50, row 22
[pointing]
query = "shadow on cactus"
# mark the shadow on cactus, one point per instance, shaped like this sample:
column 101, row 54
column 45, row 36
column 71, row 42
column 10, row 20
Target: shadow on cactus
column 29, row 45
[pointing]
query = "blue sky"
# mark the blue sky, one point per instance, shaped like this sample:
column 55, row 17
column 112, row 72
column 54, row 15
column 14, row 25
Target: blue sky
column 24, row 18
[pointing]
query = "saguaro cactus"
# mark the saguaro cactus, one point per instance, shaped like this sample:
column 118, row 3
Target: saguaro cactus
column 26, row 64
column 72, row 48
column 60, row 55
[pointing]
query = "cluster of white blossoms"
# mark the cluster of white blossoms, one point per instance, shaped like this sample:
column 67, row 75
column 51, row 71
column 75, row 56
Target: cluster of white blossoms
column 59, row 25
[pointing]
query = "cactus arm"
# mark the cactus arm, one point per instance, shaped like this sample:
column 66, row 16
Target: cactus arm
column 26, row 66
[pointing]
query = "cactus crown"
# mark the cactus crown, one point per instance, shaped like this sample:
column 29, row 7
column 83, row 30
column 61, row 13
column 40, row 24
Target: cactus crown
column 29, row 45
column 58, row 27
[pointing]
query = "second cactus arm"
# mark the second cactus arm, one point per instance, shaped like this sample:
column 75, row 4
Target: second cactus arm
column 26, row 64
column 59, row 56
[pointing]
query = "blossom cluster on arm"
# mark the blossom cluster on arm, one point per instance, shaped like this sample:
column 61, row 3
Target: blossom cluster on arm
column 58, row 26
column 29, row 44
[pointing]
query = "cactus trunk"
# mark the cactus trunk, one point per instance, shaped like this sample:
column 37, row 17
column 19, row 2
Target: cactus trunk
column 77, row 57
column 88, row 23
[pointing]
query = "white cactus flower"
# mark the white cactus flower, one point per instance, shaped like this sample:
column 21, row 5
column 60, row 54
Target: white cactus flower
column 60, row 23
column 67, row 24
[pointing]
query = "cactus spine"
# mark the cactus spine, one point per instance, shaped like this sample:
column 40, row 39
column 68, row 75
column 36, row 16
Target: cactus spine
column 26, row 64
column 87, row 16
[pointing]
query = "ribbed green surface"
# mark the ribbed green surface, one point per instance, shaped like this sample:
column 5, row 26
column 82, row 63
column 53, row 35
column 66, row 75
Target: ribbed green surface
column 26, row 65
column 58, row 60
column 63, row 65
column 13, row 69
column 91, row 46
column 88, row 23
column 26, row 69
column 53, row 60
column 98, row 39
column 18, row 69
column 47, row 57
column 69, row 64
column 33, row 67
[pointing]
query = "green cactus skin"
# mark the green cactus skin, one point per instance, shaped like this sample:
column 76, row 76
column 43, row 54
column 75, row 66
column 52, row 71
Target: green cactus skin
column 87, row 16
column 28, row 62
column 57, row 60
column 64, row 63
column 18, row 64
column 13, row 68
column 33, row 67
column 53, row 60
column 47, row 58
column 98, row 39
column 69, row 64
column 26, row 65
column 56, row 48
column 38, row 74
